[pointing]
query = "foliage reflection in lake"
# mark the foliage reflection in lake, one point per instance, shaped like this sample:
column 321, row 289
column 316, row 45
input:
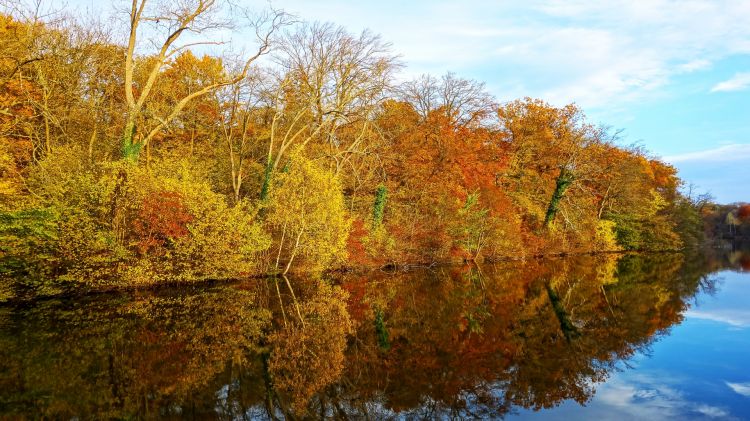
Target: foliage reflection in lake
column 455, row 341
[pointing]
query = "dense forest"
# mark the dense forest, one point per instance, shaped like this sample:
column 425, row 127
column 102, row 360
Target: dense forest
column 152, row 150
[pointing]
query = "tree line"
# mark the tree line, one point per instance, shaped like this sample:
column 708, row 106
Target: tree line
column 154, row 151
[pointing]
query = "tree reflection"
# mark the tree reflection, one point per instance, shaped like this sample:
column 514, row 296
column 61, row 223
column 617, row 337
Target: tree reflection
column 306, row 357
column 463, row 341
column 124, row 356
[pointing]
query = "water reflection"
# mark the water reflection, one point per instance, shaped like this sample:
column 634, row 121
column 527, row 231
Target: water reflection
column 464, row 341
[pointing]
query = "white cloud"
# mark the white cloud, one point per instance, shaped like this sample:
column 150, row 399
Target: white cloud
column 651, row 397
column 735, row 318
column 726, row 153
column 594, row 53
column 738, row 82
column 694, row 65
column 740, row 388
column 711, row 411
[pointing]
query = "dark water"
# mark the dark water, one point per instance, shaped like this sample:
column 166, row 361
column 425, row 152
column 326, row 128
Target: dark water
column 636, row 337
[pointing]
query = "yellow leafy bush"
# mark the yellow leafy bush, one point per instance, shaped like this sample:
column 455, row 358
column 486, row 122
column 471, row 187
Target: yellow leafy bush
column 606, row 236
column 307, row 212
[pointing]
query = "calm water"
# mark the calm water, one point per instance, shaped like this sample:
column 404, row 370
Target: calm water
column 636, row 337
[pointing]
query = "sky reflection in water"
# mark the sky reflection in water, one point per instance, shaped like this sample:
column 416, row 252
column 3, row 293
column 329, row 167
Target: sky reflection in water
column 698, row 372
column 635, row 337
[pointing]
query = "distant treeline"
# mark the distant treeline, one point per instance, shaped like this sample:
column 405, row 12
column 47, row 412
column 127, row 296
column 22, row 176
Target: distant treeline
column 727, row 222
column 132, row 160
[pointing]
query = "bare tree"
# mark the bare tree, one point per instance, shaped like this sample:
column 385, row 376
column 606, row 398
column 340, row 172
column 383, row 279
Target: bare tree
column 171, row 22
column 244, row 118
column 330, row 85
column 466, row 102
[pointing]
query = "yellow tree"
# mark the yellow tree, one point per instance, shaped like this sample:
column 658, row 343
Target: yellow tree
column 308, row 354
column 197, row 122
column 307, row 208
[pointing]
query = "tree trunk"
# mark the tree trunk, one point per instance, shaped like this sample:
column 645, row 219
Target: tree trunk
column 131, row 150
column 266, row 180
column 92, row 139
column 564, row 180
column 566, row 325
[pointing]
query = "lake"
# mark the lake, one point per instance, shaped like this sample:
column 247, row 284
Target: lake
column 658, row 336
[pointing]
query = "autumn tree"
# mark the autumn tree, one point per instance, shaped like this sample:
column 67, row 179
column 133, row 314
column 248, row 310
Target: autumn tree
column 244, row 127
column 307, row 211
column 308, row 353
column 291, row 166
column 192, row 131
column 331, row 82
column 552, row 153
column 178, row 28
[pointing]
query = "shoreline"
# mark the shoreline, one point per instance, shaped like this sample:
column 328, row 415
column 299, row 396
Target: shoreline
column 360, row 269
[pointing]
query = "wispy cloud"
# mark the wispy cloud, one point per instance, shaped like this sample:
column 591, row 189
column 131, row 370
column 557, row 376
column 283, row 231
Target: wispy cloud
column 733, row 318
column 738, row 82
column 740, row 388
column 726, row 153
column 644, row 396
column 711, row 411
column 646, row 66
column 694, row 65
column 594, row 53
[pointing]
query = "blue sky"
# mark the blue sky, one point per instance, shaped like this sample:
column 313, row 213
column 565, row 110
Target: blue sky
column 674, row 75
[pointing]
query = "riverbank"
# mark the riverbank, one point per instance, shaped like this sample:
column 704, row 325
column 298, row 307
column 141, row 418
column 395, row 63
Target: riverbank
column 80, row 289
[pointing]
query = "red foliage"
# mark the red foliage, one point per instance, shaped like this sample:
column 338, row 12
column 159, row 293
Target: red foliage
column 744, row 212
column 162, row 217
column 357, row 306
column 745, row 262
column 355, row 247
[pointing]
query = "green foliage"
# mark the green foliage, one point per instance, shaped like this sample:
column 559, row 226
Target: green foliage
column 267, row 172
column 688, row 222
column 131, row 149
column 381, row 331
column 649, row 229
column 564, row 180
column 606, row 235
column 378, row 208
column 27, row 256
column 566, row 325
column 381, row 245
column 474, row 225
